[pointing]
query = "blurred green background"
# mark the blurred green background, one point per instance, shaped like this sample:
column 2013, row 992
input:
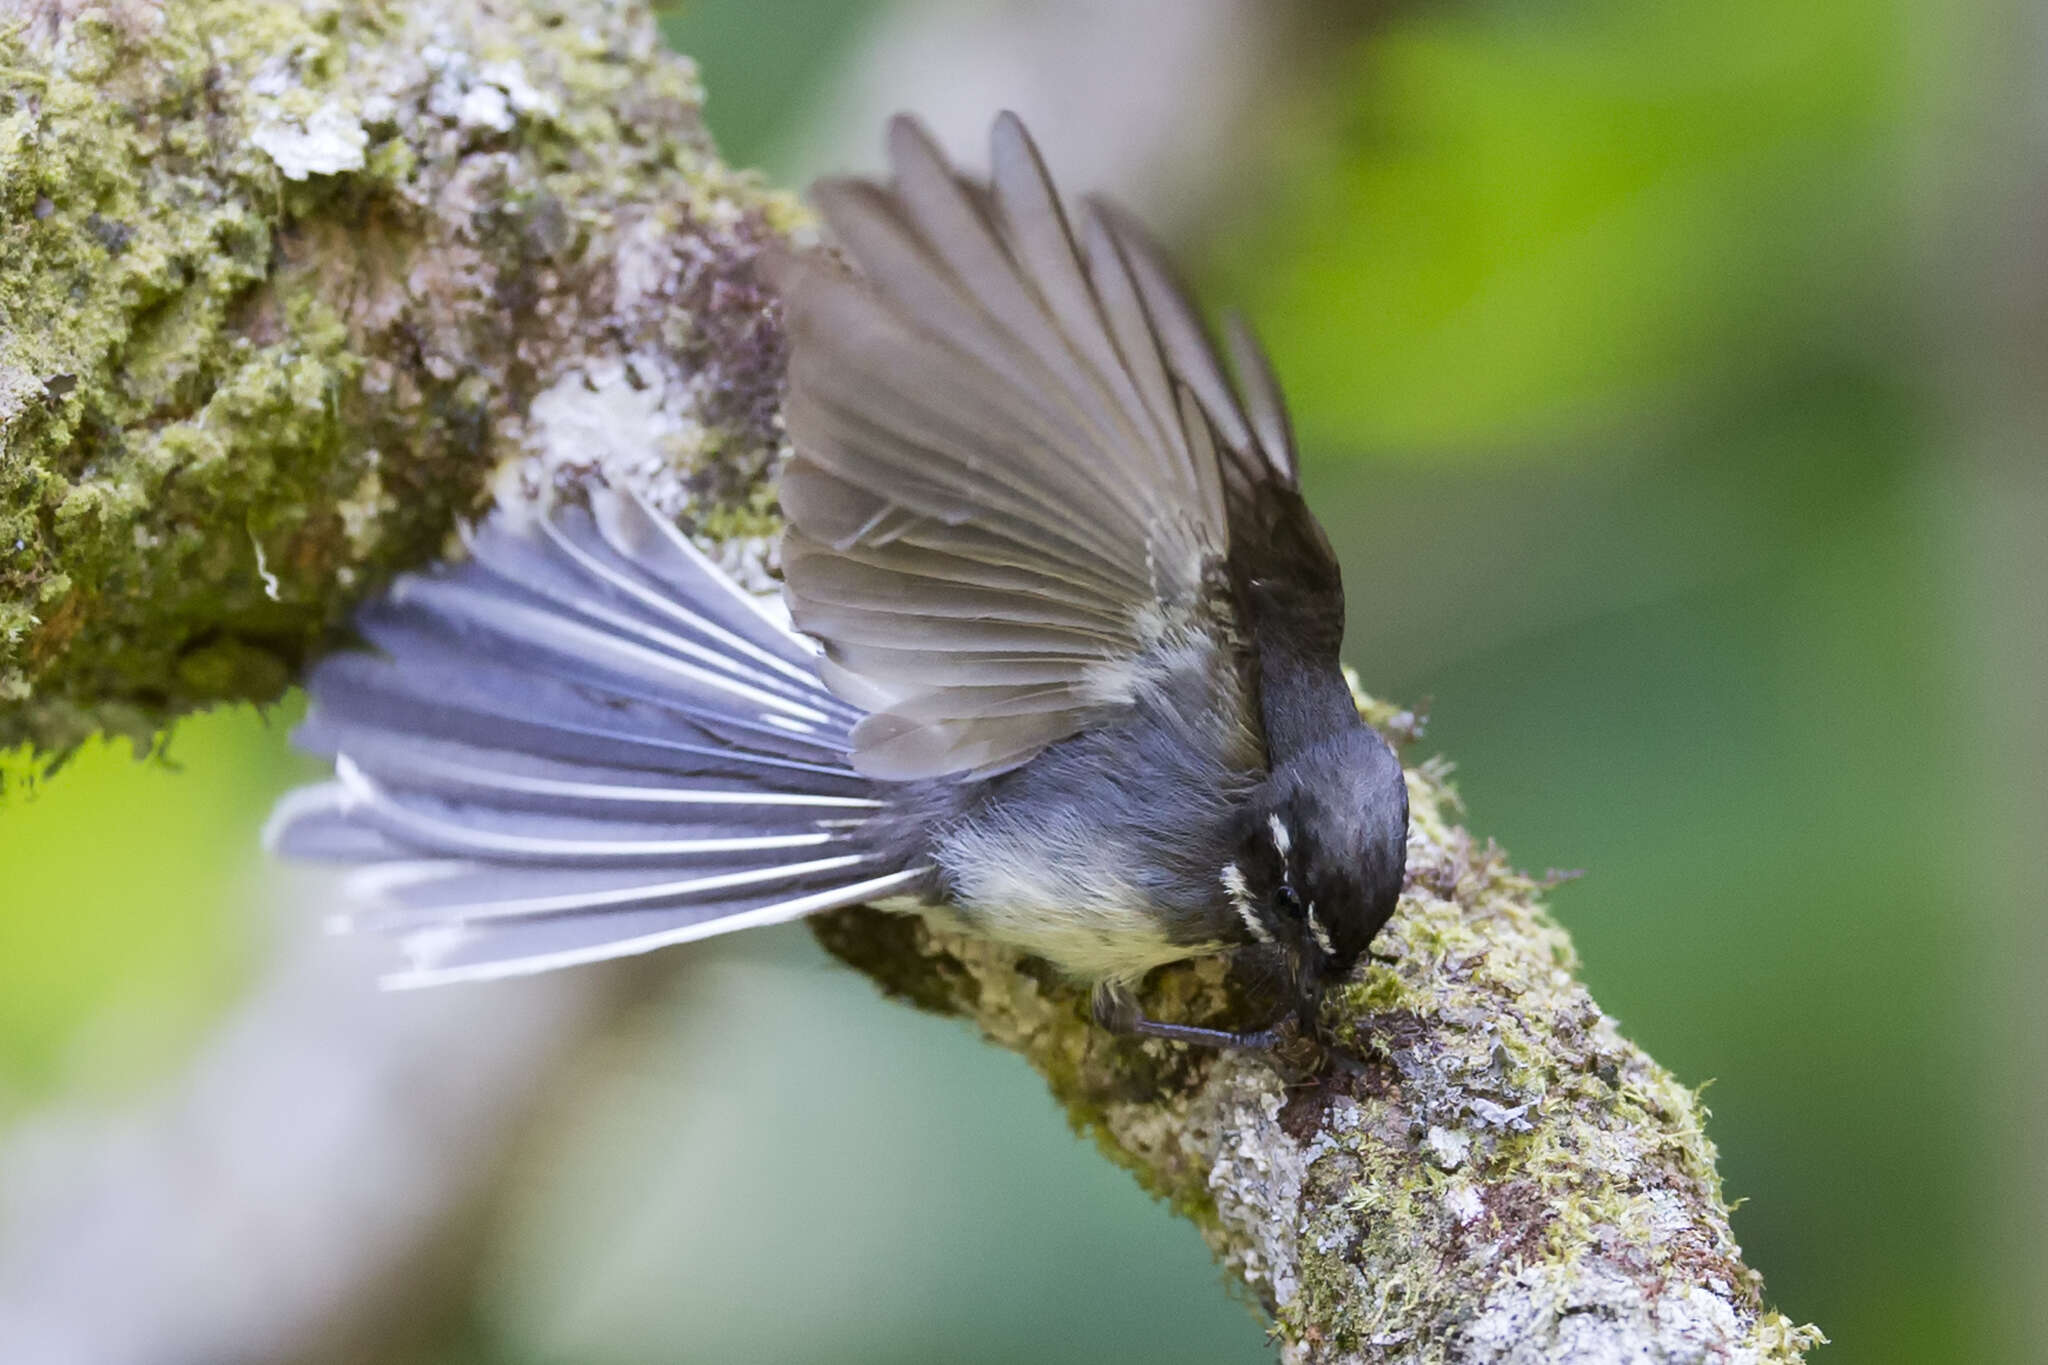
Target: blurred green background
column 1639, row 352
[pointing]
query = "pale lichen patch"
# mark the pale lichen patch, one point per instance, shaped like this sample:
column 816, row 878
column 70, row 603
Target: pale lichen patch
column 610, row 417
column 327, row 141
column 1256, row 1175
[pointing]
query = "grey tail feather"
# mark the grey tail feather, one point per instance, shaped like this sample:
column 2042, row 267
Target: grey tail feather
column 582, row 742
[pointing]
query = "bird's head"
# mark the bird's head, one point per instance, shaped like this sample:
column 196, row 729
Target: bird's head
column 1321, row 851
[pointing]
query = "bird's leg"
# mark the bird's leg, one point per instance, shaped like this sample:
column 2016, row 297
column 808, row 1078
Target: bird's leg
column 1117, row 1010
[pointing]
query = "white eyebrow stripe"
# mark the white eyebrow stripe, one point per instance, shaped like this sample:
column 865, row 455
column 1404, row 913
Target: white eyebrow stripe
column 1241, row 899
column 1315, row 926
column 1283, row 840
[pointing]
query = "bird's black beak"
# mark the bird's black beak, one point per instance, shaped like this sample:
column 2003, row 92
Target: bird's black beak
column 1306, row 965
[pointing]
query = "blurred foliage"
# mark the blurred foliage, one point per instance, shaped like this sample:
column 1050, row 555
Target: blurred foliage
column 1502, row 224
column 761, row 63
column 127, row 920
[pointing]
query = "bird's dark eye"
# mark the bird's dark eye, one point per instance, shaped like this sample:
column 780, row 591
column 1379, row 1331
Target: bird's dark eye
column 1286, row 901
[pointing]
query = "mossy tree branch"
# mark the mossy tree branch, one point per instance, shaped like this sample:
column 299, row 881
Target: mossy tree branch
column 285, row 284
column 289, row 286
column 1506, row 1179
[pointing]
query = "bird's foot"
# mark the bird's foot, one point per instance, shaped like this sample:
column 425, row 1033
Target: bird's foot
column 1117, row 1010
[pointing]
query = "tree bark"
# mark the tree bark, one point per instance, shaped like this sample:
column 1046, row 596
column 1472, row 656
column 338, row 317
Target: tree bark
column 288, row 287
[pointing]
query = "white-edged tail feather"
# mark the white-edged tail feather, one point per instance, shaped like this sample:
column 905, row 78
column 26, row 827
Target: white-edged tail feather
column 583, row 742
column 463, row 952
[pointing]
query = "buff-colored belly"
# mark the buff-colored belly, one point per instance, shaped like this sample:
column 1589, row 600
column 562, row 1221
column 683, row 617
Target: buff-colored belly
column 1061, row 904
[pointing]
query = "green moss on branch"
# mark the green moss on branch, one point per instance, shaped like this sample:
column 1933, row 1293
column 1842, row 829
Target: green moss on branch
column 285, row 284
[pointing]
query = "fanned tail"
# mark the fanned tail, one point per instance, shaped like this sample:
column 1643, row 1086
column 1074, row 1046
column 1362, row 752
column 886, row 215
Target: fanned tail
column 582, row 742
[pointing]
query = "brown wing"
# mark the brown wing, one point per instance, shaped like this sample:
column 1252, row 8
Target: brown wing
column 1018, row 461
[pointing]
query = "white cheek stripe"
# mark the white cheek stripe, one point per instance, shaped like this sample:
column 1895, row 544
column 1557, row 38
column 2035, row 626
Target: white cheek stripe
column 1283, row 841
column 1315, row 926
column 1241, row 900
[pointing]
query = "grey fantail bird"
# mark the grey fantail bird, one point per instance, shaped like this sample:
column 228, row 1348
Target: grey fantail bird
column 1064, row 658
